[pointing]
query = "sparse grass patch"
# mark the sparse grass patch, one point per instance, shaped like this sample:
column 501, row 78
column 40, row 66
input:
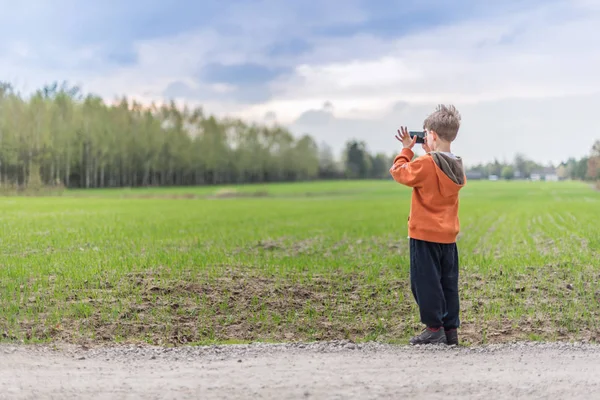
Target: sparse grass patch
column 293, row 266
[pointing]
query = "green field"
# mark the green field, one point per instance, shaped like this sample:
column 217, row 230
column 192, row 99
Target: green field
column 287, row 262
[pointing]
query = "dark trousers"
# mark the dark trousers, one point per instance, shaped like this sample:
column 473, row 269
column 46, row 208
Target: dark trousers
column 434, row 282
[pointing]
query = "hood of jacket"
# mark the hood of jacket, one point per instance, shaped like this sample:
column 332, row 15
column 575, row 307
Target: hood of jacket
column 450, row 172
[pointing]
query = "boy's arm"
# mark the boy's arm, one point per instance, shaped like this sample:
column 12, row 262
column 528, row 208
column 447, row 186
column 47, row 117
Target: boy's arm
column 406, row 172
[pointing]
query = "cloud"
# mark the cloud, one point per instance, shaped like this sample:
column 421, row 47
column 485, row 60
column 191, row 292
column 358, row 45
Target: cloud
column 521, row 81
column 179, row 89
column 517, row 66
column 532, row 55
column 549, row 130
column 249, row 81
column 241, row 84
column 289, row 47
column 316, row 118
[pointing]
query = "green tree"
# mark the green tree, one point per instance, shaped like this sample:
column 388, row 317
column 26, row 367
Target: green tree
column 327, row 165
column 580, row 168
column 495, row 168
column 380, row 166
column 357, row 160
column 522, row 166
column 508, row 172
column 58, row 135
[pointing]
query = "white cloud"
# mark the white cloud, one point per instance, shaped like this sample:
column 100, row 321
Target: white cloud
column 522, row 83
column 532, row 74
column 549, row 130
column 533, row 55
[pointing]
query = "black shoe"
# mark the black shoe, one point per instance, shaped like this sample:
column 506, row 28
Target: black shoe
column 452, row 337
column 429, row 337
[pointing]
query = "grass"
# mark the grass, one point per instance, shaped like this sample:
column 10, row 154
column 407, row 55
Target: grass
column 319, row 188
column 311, row 261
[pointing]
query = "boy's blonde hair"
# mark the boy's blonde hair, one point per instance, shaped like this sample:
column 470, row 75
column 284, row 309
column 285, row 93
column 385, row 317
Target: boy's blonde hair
column 445, row 121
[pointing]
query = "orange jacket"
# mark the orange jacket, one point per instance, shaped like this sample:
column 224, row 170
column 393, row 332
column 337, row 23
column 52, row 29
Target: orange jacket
column 436, row 179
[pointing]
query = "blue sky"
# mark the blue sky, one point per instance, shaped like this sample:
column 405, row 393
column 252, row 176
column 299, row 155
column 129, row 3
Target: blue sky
column 378, row 63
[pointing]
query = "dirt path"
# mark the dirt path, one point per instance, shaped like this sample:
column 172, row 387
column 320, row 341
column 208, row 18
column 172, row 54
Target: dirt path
column 317, row 371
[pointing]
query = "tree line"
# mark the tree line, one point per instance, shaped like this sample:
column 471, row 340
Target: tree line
column 57, row 136
column 585, row 168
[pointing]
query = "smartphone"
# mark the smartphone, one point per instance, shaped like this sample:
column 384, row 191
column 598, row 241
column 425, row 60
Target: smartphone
column 419, row 134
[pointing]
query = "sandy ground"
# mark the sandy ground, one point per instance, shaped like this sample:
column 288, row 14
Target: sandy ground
column 338, row 370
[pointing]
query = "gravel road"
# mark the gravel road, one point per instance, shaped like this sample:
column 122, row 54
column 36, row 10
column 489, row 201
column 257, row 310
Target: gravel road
column 335, row 370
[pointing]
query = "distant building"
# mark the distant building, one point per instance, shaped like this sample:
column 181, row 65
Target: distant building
column 545, row 174
column 493, row 177
column 474, row 175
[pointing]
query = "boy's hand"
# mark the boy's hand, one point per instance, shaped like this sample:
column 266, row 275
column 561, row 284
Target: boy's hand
column 426, row 147
column 404, row 137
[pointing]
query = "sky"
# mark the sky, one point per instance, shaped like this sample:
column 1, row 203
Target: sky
column 523, row 73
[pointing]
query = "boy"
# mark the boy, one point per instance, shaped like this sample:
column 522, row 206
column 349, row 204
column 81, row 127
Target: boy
column 433, row 226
